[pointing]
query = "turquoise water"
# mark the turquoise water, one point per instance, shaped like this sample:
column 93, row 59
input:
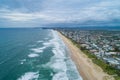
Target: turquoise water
column 34, row 54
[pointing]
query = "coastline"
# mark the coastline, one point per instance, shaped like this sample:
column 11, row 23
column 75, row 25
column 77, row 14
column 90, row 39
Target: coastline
column 87, row 69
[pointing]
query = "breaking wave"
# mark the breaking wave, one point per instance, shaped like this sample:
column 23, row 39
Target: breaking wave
column 29, row 76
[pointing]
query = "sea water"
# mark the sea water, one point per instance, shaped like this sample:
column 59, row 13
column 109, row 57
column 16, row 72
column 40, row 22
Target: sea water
column 35, row 54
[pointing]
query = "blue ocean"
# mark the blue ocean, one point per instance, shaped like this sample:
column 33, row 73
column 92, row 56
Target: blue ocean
column 34, row 54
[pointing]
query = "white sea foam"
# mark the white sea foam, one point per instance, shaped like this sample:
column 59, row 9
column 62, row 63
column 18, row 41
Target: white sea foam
column 40, row 41
column 33, row 55
column 22, row 61
column 61, row 64
column 58, row 61
column 46, row 44
column 29, row 76
column 37, row 50
column 60, row 76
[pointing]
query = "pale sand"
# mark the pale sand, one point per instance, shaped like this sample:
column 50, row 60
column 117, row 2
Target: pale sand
column 87, row 69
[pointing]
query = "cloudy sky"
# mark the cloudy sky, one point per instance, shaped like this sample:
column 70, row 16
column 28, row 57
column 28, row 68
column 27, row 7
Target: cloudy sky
column 34, row 13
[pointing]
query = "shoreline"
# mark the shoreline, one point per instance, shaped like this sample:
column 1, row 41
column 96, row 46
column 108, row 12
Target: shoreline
column 86, row 68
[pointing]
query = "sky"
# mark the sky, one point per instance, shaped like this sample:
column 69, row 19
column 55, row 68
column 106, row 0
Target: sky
column 35, row 13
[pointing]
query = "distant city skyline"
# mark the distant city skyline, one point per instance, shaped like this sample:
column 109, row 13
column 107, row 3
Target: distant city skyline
column 35, row 13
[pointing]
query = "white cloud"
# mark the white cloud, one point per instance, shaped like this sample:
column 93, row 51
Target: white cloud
column 53, row 11
column 20, row 16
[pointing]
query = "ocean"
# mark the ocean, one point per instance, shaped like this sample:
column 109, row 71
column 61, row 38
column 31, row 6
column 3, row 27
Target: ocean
column 35, row 54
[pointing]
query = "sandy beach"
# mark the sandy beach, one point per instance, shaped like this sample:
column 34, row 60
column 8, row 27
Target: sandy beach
column 87, row 69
